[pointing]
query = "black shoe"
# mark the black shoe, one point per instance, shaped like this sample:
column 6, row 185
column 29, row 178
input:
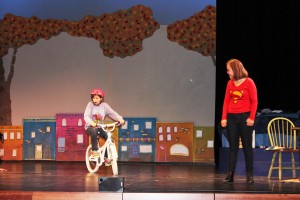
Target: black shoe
column 229, row 178
column 249, row 177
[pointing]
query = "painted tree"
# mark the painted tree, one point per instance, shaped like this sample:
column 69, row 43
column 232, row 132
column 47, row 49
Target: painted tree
column 120, row 34
column 197, row 33
column 15, row 32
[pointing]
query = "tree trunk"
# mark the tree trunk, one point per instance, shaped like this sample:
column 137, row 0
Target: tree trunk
column 5, row 101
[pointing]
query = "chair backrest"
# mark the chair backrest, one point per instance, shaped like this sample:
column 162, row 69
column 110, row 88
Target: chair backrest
column 281, row 134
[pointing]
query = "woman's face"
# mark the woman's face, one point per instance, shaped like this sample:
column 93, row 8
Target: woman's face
column 97, row 100
column 229, row 72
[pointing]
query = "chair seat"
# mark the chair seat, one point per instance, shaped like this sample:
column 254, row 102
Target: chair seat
column 282, row 149
column 274, row 148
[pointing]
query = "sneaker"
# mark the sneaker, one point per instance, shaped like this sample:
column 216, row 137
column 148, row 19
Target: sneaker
column 94, row 154
column 107, row 162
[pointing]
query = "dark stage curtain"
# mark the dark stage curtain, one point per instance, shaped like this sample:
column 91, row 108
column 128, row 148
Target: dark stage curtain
column 264, row 35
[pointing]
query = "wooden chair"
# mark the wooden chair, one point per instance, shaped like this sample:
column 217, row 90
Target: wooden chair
column 283, row 140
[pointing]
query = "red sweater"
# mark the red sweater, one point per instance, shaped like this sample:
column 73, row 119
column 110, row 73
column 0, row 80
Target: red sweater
column 240, row 99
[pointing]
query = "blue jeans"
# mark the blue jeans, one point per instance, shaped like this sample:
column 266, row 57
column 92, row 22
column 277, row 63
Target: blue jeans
column 237, row 127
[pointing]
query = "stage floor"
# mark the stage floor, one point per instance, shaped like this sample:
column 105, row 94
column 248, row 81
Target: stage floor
column 51, row 176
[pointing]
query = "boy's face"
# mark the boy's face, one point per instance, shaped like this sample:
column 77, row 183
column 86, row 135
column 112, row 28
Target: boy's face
column 97, row 100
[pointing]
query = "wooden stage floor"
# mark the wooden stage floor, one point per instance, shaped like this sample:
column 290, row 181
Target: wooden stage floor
column 71, row 180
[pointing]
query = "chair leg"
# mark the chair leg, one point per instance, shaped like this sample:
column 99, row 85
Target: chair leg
column 272, row 165
column 280, row 166
column 293, row 164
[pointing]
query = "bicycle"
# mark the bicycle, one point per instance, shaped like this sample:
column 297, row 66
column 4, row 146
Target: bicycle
column 93, row 164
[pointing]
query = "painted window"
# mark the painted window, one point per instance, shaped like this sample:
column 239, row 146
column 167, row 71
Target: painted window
column 80, row 122
column 64, row 122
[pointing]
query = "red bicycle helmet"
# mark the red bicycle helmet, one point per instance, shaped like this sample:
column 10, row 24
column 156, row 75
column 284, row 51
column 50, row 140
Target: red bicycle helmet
column 97, row 92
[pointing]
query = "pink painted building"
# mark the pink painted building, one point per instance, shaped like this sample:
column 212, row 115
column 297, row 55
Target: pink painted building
column 71, row 138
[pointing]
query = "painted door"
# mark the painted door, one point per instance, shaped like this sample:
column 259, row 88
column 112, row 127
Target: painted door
column 38, row 151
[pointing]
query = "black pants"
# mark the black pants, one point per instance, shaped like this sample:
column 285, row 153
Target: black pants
column 95, row 132
column 237, row 127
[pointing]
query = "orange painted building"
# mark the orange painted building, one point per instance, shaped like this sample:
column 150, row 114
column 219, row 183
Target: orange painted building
column 12, row 146
column 174, row 142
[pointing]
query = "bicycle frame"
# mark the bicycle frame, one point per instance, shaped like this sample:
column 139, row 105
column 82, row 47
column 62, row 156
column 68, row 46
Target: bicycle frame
column 109, row 146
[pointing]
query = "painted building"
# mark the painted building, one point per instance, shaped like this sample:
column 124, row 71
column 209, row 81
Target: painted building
column 71, row 138
column 11, row 146
column 174, row 142
column 137, row 140
column 39, row 139
column 203, row 144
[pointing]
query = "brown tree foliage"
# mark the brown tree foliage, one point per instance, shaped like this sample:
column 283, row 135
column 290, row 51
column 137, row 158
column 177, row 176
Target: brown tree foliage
column 16, row 31
column 120, row 33
column 197, row 33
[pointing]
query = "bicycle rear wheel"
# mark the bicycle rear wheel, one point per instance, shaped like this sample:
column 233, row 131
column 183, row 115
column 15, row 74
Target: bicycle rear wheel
column 114, row 157
column 91, row 164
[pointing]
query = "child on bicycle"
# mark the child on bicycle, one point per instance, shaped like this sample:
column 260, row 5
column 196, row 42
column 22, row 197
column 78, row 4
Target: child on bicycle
column 95, row 113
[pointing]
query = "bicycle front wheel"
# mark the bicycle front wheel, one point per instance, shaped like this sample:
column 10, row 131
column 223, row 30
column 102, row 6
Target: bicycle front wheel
column 91, row 164
column 114, row 156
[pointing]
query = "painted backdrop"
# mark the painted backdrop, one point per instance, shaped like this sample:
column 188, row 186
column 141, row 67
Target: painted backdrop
column 164, row 80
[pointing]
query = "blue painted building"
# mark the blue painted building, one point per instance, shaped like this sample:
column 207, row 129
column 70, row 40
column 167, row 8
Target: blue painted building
column 39, row 139
column 137, row 140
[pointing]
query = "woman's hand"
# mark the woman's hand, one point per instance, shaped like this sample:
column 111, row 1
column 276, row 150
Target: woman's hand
column 250, row 122
column 224, row 123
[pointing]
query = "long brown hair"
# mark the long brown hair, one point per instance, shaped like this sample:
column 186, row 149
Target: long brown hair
column 238, row 69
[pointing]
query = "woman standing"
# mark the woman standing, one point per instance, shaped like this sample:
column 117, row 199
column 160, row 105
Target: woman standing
column 239, row 110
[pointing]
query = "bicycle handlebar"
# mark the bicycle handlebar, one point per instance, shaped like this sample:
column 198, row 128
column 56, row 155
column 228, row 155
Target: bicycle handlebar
column 109, row 127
